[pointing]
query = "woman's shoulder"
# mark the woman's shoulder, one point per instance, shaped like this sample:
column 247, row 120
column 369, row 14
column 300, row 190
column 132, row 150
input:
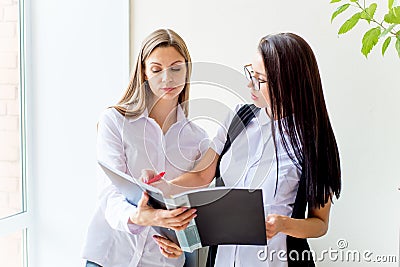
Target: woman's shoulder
column 110, row 116
column 239, row 106
column 232, row 113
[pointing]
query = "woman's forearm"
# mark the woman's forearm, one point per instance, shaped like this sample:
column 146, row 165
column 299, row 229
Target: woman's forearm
column 202, row 175
column 304, row 228
column 315, row 225
column 190, row 179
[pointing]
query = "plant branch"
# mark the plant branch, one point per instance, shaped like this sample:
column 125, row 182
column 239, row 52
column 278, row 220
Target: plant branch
column 372, row 19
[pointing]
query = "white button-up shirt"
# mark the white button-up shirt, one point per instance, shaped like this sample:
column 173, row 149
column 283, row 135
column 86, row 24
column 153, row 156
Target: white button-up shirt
column 251, row 163
column 130, row 145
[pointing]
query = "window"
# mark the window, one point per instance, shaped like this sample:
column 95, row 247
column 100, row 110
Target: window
column 13, row 212
column 11, row 249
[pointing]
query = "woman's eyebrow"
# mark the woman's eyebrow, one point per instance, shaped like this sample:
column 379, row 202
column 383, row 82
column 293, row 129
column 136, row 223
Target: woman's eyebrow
column 178, row 61
column 156, row 63
column 261, row 74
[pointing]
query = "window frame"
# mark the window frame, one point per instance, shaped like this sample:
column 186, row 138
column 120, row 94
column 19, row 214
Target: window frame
column 22, row 220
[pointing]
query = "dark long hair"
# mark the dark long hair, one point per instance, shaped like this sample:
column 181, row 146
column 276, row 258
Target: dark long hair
column 297, row 103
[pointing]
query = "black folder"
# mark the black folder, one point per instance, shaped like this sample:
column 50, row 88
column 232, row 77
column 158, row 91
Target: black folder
column 224, row 215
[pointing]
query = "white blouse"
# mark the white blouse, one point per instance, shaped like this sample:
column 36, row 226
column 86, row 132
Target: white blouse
column 130, row 145
column 251, row 163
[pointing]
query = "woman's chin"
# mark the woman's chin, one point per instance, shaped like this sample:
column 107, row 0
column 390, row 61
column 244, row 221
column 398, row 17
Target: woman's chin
column 259, row 103
column 170, row 95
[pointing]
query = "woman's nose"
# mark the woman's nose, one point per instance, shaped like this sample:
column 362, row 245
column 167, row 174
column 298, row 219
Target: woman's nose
column 166, row 76
column 250, row 85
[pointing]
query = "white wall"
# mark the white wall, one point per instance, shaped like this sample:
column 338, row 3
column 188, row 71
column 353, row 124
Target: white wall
column 362, row 97
column 78, row 64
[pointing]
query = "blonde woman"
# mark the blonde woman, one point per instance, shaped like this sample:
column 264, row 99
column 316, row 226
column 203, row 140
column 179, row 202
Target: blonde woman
column 147, row 129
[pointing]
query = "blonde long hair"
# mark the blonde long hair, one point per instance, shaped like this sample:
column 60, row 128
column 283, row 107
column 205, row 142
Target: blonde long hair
column 135, row 98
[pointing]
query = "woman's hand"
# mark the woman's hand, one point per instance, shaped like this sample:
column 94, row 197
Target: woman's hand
column 274, row 224
column 177, row 219
column 163, row 185
column 147, row 175
column 168, row 248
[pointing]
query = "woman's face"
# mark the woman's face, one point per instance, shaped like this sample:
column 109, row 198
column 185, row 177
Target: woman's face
column 165, row 70
column 260, row 98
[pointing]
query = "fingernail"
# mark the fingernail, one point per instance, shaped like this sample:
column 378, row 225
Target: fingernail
column 195, row 216
column 155, row 237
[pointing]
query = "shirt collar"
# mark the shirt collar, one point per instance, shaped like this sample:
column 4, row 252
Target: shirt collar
column 262, row 117
column 180, row 115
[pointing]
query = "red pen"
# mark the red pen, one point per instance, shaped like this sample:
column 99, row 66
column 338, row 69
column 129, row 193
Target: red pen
column 156, row 178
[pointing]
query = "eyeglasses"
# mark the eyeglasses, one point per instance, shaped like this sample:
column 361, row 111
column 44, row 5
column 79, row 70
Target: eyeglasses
column 248, row 71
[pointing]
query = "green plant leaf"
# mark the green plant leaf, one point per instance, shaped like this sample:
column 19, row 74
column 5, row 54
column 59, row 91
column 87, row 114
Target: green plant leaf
column 369, row 40
column 387, row 30
column 393, row 16
column 369, row 12
column 350, row 23
column 390, row 4
column 335, row 1
column 398, row 46
column 386, row 44
column 353, row 0
column 339, row 10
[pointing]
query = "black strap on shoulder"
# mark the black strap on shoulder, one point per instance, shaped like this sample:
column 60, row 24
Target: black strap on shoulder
column 240, row 121
column 298, row 250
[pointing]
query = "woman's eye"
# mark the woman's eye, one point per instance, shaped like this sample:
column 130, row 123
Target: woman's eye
column 175, row 69
column 155, row 70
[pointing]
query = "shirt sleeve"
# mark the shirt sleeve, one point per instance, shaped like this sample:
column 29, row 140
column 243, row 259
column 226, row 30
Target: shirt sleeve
column 204, row 143
column 219, row 140
column 110, row 150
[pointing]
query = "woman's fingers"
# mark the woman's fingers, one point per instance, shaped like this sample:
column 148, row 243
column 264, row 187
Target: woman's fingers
column 168, row 254
column 143, row 200
column 175, row 212
column 179, row 228
column 168, row 248
column 179, row 222
column 271, row 225
column 147, row 175
column 178, row 214
column 167, row 243
column 184, row 217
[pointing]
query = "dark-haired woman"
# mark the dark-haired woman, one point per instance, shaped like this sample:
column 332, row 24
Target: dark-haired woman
column 289, row 150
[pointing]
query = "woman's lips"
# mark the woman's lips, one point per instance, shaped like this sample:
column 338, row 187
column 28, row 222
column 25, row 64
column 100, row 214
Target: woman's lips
column 254, row 97
column 168, row 89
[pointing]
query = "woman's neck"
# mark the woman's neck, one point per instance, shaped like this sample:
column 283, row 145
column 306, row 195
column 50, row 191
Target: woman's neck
column 164, row 112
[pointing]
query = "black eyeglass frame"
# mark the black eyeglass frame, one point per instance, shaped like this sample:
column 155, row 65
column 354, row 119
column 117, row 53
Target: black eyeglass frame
column 250, row 76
